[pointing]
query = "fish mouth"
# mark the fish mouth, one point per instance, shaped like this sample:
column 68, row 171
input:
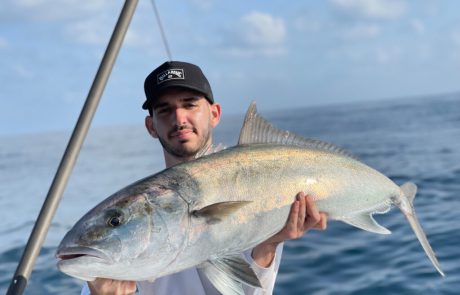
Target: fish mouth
column 70, row 253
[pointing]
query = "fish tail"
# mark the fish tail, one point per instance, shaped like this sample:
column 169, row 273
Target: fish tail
column 408, row 191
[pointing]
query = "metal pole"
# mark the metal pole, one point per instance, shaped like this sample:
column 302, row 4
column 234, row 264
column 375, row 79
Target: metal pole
column 37, row 237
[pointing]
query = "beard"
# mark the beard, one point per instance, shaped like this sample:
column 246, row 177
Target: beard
column 183, row 151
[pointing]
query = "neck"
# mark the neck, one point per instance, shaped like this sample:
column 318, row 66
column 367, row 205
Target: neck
column 171, row 160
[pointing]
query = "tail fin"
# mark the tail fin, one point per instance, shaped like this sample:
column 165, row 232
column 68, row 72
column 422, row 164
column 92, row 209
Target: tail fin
column 408, row 191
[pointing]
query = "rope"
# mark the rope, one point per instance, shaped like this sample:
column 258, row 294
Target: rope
column 163, row 35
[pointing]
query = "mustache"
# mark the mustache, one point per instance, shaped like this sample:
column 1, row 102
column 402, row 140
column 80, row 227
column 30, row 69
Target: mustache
column 180, row 128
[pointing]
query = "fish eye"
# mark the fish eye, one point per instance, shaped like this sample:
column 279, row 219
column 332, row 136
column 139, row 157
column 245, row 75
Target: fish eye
column 114, row 221
column 114, row 218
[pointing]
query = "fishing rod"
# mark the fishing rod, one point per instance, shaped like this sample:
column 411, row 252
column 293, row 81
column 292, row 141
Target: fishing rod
column 40, row 230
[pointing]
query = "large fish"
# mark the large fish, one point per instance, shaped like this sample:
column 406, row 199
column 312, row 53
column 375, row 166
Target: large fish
column 206, row 212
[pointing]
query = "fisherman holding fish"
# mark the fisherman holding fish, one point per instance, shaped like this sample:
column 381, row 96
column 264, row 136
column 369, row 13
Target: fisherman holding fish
column 182, row 115
column 215, row 220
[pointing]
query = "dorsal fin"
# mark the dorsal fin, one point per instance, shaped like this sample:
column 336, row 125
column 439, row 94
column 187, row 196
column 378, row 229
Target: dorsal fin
column 210, row 150
column 258, row 130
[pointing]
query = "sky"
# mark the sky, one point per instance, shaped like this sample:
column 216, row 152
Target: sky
column 283, row 54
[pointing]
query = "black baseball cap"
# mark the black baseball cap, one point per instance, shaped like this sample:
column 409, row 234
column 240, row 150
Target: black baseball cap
column 175, row 74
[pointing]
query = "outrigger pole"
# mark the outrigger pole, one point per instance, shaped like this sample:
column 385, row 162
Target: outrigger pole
column 38, row 235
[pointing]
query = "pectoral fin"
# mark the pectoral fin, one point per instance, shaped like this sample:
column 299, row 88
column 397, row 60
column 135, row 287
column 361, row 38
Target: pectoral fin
column 366, row 222
column 228, row 273
column 216, row 212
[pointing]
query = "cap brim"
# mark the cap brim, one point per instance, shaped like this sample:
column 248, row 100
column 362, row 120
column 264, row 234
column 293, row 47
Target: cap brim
column 145, row 105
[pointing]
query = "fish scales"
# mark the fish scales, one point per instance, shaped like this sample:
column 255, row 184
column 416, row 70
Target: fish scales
column 270, row 176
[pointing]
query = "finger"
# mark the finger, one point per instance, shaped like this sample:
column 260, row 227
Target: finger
column 313, row 216
column 302, row 212
column 322, row 224
column 291, row 224
column 122, row 288
column 290, row 229
column 128, row 287
column 108, row 286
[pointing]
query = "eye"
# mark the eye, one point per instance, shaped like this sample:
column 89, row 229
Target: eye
column 190, row 105
column 162, row 111
column 114, row 221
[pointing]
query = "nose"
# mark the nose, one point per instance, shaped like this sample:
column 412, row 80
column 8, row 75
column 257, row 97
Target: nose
column 180, row 116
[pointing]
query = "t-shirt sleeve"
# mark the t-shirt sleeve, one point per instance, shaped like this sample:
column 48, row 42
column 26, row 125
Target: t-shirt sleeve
column 266, row 275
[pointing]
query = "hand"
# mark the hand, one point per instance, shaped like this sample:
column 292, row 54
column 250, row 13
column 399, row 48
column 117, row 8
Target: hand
column 102, row 286
column 303, row 216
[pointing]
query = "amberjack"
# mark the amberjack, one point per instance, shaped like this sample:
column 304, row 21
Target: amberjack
column 204, row 213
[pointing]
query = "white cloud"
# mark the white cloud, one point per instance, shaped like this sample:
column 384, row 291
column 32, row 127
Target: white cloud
column 256, row 33
column 261, row 29
column 370, row 9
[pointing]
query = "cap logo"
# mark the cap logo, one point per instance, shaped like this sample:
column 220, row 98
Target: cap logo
column 171, row 74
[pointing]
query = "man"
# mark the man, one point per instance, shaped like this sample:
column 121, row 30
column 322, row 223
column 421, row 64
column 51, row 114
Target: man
column 182, row 114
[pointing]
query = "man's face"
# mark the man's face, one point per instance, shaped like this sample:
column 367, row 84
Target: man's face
column 182, row 120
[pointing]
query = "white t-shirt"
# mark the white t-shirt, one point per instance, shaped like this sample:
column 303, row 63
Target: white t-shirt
column 192, row 281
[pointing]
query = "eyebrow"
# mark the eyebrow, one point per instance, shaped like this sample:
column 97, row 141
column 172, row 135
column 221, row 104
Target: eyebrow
column 182, row 100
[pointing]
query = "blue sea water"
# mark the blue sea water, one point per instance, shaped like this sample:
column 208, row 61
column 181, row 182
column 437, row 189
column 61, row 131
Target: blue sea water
column 408, row 140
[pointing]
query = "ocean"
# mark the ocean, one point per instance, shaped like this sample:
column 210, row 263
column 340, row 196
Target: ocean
column 416, row 139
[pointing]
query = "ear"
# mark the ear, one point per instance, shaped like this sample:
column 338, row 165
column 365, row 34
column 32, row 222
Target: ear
column 215, row 114
column 150, row 128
